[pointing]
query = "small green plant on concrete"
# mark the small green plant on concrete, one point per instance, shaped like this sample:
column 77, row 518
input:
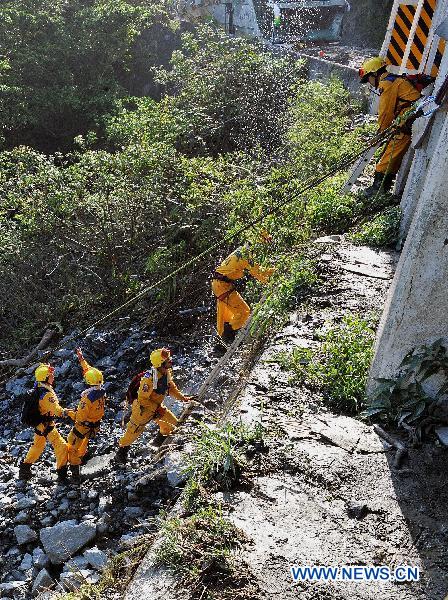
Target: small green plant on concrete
column 218, row 456
column 339, row 368
column 403, row 400
column 194, row 545
column 117, row 575
column 381, row 231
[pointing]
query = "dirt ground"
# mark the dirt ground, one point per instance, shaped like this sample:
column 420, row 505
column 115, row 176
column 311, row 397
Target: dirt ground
column 325, row 491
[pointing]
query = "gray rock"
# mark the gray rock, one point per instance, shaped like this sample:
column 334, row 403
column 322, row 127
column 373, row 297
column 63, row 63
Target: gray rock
column 64, row 506
column 88, row 517
column 64, row 369
column 22, row 517
column 77, row 563
column 72, row 494
column 24, row 534
column 17, row 387
column 97, row 466
column 72, row 581
column 42, row 582
column 175, row 468
column 96, row 558
column 5, row 501
column 442, row 434
column 64, row 539
column 47, row 521
column 40, row 559
column 27, row 562
column 133, row 512
column 17, row 575
column 13, row 586
column 24, row 503
column 102, row 525
column 26, row 435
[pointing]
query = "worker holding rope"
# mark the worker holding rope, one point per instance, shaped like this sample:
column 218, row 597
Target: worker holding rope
column 232, row 311
column 87, row 416
column 397, row 94
column 153, row 386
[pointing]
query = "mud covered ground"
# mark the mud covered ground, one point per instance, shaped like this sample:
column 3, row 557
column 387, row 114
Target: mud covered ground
column 324, row 491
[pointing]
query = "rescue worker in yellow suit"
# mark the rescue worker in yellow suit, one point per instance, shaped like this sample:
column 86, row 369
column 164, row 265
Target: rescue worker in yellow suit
column 232, row 312
column 87, row 416
column 397, row 95
column 155, row 384
column 49, row 408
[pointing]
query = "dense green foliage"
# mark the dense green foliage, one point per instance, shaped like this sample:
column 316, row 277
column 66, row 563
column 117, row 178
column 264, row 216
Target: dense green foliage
column 339, row 367
column 405, row 400
column 64, row 63
column 85, row 230
column 382, row 231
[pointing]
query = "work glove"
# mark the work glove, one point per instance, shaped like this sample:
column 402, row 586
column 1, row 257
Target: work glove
column 70, row 413
column 79, row 354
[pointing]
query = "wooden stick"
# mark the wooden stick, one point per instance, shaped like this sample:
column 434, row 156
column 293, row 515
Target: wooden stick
column 21, row 362
column 400, row 447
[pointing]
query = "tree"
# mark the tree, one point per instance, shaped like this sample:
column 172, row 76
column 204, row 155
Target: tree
column 65, row 63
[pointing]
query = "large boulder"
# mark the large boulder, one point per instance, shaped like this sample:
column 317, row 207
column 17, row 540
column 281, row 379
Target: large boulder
column 64, row 539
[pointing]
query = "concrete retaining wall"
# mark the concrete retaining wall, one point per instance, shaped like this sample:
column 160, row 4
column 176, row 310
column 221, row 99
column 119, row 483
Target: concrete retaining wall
column 320, row 68
column 416, row 310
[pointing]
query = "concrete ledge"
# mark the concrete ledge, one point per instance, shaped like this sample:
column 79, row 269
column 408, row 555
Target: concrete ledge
column 320, row 68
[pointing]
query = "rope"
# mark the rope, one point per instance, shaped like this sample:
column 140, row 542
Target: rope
column 308, row 185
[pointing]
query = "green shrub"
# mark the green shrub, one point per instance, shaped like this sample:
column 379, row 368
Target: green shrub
column 217, row 457
column 382, row 231
column 191, row 544
column 230, row 92
column 339, row 368
column 403, row 399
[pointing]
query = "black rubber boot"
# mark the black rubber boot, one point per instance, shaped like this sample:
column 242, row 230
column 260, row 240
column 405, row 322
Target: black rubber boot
column 25, row 471
column 229, row 334
column 76, row 472
column 62, row 473
column 381, row 184
column 122, row 455
column 388, row 182
column 87, row 456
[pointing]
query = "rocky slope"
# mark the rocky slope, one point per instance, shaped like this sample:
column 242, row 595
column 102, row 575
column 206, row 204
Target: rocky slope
column 52, row 532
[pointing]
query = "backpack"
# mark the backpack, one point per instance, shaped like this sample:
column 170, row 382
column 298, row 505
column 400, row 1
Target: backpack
column 420, row 81
column 132, row 391
column 30, row 414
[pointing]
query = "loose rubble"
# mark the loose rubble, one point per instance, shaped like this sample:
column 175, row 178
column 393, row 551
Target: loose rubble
column 49, row 530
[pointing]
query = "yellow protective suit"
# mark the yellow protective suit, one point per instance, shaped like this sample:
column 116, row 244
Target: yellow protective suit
column 396, row 98
column 48, row 407
column 87, row 419
column 230, row 306
column 149, row 406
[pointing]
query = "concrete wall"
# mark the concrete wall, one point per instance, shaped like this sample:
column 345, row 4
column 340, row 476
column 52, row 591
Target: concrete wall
column 244, row 17
column 321, row 69
column 416, row 310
